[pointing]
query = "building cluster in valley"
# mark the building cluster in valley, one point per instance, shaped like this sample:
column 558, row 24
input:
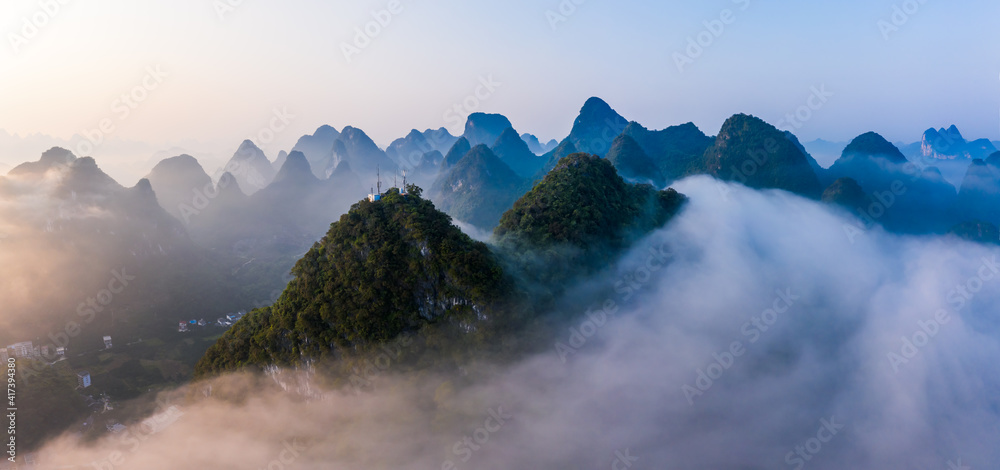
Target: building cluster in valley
column 27, row 350
column 225, row 322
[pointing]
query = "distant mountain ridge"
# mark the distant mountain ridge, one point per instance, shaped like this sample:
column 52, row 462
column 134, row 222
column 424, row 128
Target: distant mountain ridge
column 317, row 147
column 250, row 167
column 178, row 182
column 596, row 127
column 50, row 159
column 216, row 246
column 979, row 196
column 327, row 147
column 343, row 164
column 409, row 151
column 948, row 144
column 673, row 152
column 398, row 266
column 536, row 146
column 755, row 153
column 577, row 220
column 514, row 151
column 902, row 196
column 639, row 154
column 478, row 188
column 485, row 129
column 95, row 225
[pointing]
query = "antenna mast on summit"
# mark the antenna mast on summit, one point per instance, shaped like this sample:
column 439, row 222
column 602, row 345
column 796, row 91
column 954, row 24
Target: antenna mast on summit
column 378, row 178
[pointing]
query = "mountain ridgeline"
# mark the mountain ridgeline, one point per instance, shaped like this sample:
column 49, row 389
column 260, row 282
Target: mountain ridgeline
column 385, row 268
column 198, row 245
column 900, row 195
column 576, row 221
column 478, row 188
column 660, row 157
column 398, row 265
column 583, row 202
column 756, row 154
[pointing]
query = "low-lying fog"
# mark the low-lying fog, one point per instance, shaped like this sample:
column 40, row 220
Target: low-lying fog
column 755, row 331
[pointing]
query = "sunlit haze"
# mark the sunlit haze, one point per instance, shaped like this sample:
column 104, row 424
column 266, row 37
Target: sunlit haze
column 499, row 235
column 227, row 68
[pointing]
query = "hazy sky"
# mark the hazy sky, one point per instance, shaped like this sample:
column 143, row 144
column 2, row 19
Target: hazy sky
column 227, row 73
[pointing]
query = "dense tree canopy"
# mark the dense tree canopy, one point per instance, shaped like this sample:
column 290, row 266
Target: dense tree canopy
column 577, row 221
column 385, row 268
column 583, row 202
column 398, row 265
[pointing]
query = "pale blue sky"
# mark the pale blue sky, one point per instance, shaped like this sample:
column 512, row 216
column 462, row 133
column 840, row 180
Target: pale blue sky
column 224, row 77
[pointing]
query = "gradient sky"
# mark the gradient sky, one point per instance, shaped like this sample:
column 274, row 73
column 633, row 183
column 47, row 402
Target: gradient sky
column 225, row 76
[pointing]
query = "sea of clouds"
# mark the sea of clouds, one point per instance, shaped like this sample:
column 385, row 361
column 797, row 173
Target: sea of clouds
column 767, row 338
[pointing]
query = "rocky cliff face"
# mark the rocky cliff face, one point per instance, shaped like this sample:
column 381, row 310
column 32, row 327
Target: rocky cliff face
column 948, row 144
